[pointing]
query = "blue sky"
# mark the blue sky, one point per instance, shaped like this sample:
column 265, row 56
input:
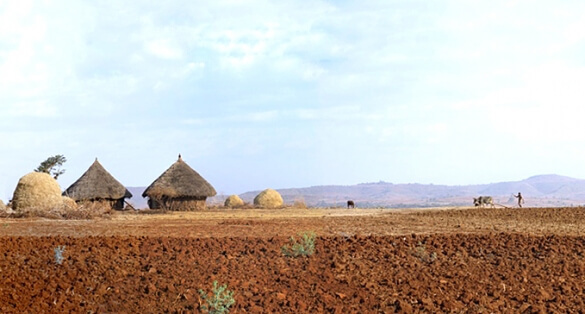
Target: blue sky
column 258, row 94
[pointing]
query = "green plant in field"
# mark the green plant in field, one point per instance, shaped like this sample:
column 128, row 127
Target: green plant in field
column 422, row 253
column 304, row 247
column 220, row 300
column 59, row 254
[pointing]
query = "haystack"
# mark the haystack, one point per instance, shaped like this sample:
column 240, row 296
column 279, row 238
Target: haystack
column 268, row 198
column 98, row 185
column 69, row 203
column 37, row 190
column 179, row 188
column 233, row 201
column 2, row 206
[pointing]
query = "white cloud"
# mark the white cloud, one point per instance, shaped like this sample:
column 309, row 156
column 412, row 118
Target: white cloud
column 541, row 109
column 419, row 77
column 264, row 116
column 32, row 109
column 342, row 113
column 192, row 67
column 21, row 35
column 164, row 49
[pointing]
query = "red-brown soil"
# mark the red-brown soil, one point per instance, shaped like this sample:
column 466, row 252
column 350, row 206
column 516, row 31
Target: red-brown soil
column 366, row 261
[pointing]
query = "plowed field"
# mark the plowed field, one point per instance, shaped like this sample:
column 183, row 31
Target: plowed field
column 366, row 261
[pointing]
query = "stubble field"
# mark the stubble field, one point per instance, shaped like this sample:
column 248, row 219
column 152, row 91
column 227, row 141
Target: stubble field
column 463, row 260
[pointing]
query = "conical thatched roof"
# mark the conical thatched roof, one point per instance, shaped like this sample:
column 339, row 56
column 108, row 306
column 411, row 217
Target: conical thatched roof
column 97, row 183
column 180, row 180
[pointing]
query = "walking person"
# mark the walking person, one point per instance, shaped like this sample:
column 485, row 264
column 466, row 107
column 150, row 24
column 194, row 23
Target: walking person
column 520, row 199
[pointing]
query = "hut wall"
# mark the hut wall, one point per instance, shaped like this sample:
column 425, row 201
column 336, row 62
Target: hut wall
column 154, row 204
column 118, row 204
column 114, row 204
column 177, row 204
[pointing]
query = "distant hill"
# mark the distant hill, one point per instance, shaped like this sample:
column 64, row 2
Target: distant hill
column 539, row 191
column 137, row 201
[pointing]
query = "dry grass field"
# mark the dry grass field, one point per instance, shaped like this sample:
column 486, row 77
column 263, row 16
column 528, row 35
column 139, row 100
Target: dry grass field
column 462, row 260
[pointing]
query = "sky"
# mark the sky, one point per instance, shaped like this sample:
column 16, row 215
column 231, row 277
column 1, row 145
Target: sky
column 283, row 94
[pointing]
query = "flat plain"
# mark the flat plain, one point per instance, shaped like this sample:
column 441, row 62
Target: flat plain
column 462, row 260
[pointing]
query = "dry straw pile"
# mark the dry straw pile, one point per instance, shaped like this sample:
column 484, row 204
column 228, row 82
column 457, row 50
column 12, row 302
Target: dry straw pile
column 268, row 198
column 69, row 203
column 39, row 195
column 233, row 201
column 37, row 190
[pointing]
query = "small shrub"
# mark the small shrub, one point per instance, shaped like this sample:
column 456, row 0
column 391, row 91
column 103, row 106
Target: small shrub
column 300, row 203
column 220, row 300
column 422, row 253
column 59, row 254
column 304, row 247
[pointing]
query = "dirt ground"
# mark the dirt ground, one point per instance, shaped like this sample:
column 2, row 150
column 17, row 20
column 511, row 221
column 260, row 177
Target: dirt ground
column 461, row 260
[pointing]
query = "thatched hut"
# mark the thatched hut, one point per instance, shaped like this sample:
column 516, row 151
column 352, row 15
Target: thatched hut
column 98, row 185
column 179, row 188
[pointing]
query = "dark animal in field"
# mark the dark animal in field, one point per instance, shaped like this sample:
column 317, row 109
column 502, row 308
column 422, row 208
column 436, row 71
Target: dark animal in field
column 482, row 201
column 350, row 204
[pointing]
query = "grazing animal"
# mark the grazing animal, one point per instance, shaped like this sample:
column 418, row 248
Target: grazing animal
column 350, row 204
column 482, row 201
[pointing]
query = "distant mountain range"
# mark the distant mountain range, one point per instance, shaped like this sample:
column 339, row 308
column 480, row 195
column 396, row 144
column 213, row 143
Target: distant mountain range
column 538, row 191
